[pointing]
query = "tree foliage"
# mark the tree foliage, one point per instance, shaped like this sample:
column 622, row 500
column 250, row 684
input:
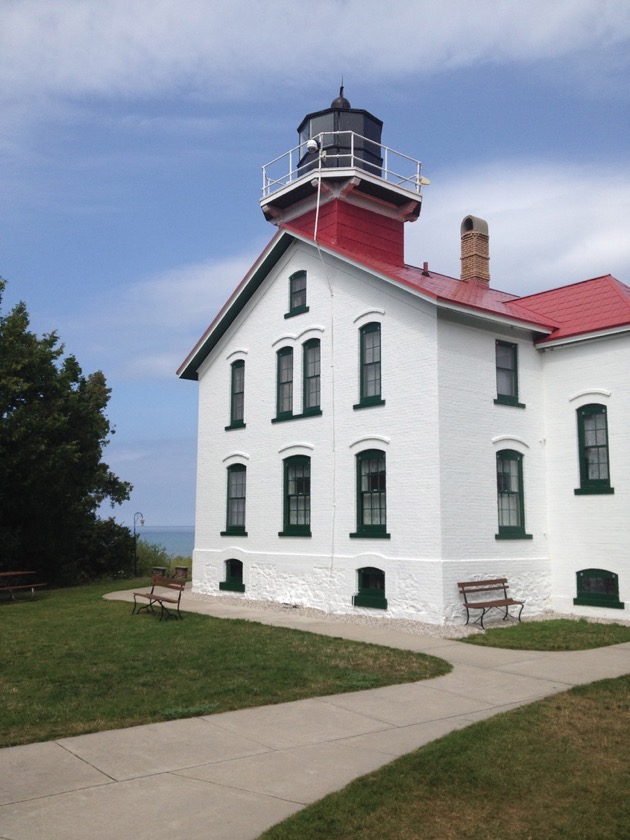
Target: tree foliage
column 52, row 477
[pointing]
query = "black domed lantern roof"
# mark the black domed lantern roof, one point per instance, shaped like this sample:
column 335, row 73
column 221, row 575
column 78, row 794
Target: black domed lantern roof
column 340, row 103
column 349, row 137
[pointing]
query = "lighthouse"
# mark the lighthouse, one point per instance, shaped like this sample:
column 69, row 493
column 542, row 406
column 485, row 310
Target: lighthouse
column 372, row 432
column 343, row 186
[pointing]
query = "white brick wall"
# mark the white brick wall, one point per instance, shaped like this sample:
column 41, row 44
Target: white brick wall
column 590, row 531
column 440, row 430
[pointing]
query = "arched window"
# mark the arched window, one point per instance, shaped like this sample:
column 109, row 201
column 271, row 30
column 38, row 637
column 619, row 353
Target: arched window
column 284, row 397
column 237, row 395
column 233, row 576
column 371, row 586
column 297, row 497
column 236, row 496
column 370, row 365
column 371, row 494
column 592, row 424
column 510, row 501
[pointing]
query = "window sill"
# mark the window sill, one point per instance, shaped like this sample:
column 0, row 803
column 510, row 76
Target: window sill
column 237, row 424
column 311, row 412
column 228, row 586
column 368, row 403
column 233, row 532
column 521, row 536
column 376, row 602
column 290, row 533
column 594, row 491
column 602, row 601
column 513, row 401
column 299, row 310
column 372, row 535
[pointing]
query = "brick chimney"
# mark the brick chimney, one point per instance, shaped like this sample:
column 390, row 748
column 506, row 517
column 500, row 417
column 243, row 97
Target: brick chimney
column 475, row 250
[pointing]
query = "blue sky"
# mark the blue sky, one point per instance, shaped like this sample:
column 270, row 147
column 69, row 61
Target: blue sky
column 133, row 132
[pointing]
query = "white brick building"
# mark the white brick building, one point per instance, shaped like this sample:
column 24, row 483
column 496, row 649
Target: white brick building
column 370, row 432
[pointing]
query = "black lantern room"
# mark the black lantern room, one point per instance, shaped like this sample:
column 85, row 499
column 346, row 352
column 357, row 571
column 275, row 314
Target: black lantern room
column 346, row 138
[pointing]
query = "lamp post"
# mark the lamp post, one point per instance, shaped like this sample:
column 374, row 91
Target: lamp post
column 137, row 517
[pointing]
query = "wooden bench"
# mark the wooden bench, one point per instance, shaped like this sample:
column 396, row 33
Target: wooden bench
column 169, row 603
column 479, row 588
column 12, row 581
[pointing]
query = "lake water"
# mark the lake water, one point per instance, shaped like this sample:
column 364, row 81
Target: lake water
column 178, row 540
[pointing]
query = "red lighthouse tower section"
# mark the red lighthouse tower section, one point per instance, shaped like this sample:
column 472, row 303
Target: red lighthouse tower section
column 343, row 187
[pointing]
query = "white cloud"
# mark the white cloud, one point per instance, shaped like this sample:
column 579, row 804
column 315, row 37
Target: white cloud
column 147, row 47
column 549, row 224
column 155, row 322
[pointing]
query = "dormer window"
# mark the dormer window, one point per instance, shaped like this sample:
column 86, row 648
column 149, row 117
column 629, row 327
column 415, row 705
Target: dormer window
column 297, row 294
column 507, row 374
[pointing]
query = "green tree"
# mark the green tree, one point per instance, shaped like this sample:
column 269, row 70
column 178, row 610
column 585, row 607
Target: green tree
column 52, row 478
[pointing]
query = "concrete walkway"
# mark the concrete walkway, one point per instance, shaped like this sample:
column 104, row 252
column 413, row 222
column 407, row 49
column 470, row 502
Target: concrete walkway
column 230, row 776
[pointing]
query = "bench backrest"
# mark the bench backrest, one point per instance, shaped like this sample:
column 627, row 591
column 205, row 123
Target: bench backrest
column 472, row 587
column 169, row 583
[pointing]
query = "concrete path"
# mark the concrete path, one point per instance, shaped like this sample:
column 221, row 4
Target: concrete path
column 230, row 776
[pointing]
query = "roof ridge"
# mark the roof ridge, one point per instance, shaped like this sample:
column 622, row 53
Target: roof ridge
column 571, row 286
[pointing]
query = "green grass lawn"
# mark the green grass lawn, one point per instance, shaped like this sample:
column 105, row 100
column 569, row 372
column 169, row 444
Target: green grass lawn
column 557, row 769
column 556, row 634
column 72, row 663
column 554, row 770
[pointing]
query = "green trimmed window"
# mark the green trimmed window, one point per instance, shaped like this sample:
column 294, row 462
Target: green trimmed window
column 371, row 585
column 297, row 294
column 507, row 374
column 598, row 588
column 236, row 494
column 297, row 497
column 284, row 399
column 237, row 395
column 593, row 450
column 371, row 495
column 312, row 377
column 370, row 365
column 233, row 576
column 510, row 501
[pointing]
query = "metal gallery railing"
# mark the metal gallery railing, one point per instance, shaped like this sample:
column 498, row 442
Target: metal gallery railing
column 334, row 150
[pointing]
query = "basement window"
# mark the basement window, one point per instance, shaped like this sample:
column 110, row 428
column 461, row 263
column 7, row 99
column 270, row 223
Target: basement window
column 371, row 589
column 233, row 576
column 598, row 588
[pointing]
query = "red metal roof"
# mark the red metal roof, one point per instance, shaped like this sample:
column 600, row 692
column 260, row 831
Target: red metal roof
column 450, row 290
column 590, row 306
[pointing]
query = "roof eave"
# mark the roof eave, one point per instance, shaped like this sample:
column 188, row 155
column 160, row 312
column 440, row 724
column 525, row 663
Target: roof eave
column 496, row 317
column 430, row 297
column 592, row 335
column 228, row 312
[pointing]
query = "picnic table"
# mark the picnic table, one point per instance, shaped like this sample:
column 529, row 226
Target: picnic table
column 12, row 581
